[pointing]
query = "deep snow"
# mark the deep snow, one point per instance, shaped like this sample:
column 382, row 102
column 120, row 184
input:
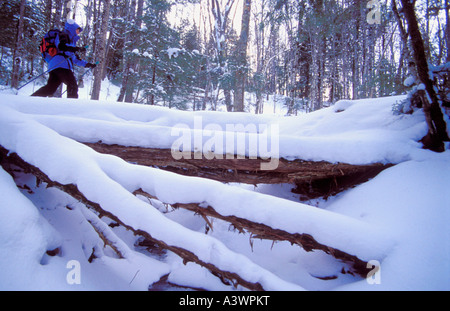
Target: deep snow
column 398, row 218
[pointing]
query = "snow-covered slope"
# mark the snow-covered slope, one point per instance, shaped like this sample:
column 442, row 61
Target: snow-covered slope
column 355, row 132
column 398, row 218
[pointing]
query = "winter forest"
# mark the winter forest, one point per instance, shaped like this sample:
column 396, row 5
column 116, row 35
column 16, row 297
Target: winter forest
column 227, row 145
column 208, row 53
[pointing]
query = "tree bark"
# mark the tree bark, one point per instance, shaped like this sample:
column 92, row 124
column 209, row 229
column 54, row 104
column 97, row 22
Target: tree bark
column 18, row 48
column 57, row 17
column 126, row 72
column 220, row 39
column 101, row 52
column 257, row 230
column 262, row 231
column 447, row 28
column 312, row 179
column 241, row 72
column 437, row 128
column 406, row 53
column 8, row 159
column 134, row 61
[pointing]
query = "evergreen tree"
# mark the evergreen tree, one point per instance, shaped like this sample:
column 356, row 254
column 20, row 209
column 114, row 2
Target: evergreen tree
column 309, row 51
column 33, row 25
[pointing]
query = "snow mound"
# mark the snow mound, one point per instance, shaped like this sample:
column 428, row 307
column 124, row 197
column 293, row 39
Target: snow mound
column 354, row 132
column 397, row 219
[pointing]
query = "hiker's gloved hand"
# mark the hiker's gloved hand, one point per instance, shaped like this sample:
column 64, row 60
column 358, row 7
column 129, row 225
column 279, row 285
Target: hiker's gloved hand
column 90, row 65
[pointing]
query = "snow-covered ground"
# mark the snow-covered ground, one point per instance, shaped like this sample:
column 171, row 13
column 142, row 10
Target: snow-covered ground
column 399, row 218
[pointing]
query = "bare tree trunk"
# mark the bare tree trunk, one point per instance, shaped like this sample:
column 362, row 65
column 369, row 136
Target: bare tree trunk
column 17, row 53
column 48, row 10
column 67, row 9
column 57, row 17
column 406, row 53
column 437, row 128
column 314, row 90
column 260, row 48
column 355, row 63
column 101, row 51
column 152, row 95
column 135, row 37
column 241, row 73
column 220, row 35
column 447, row 28
column 87, row 28
column 126, row 45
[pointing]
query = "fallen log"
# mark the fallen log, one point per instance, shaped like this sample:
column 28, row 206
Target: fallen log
column 10, row 160
column 312, row 178
column 104, row 184
column 258, row 230
column 262, row 231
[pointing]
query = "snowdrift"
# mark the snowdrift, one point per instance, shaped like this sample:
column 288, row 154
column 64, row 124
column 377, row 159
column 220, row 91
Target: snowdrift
column 353, row 132
column 372, row 222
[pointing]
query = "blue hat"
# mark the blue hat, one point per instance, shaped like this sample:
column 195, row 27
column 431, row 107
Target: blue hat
column 72, row 26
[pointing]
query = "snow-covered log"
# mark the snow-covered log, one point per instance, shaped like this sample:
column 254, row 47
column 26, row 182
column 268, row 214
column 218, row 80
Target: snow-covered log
column 262, row 231
column 106, row 184
column 312, row 178
column 73, row 168
column 228, row 277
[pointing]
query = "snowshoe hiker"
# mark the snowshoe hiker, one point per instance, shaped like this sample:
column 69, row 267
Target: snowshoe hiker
column 61, row 56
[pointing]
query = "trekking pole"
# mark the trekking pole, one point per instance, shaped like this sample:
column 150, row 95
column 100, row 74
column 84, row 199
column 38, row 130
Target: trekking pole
column 81, row 77
column 41, row 74
column 33, row 79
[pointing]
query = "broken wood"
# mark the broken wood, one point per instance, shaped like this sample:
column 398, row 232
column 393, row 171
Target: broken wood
column 312, row 178
column 10, row 160
column 262, row 231
column 105, row 233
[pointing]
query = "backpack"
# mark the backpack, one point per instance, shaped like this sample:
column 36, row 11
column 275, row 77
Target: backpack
column 47, row 46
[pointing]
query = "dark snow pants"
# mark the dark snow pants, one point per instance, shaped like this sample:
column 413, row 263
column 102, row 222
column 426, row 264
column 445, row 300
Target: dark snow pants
column 58, row 76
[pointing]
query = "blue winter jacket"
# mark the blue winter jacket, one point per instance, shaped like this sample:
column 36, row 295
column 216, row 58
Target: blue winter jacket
column 66, row 58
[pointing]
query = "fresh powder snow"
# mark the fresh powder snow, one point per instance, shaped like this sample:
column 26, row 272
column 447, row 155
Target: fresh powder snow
column 397, row 219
